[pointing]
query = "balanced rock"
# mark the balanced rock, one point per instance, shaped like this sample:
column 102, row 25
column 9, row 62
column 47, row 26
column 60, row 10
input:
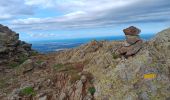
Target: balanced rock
column 131, row 31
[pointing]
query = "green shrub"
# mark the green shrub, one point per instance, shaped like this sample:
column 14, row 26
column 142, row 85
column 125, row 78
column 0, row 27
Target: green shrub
column 34, row 53
column 28, row 91
column 92, row 90
column 115, row 56
column 13, row 64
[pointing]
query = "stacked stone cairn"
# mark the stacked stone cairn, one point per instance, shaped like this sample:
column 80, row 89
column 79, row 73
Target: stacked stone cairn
column 133, row 42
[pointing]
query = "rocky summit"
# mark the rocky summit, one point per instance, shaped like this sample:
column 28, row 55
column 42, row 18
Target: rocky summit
column 11, row 48
column 94, row 71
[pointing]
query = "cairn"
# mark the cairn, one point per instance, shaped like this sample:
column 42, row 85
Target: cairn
column 133, row 42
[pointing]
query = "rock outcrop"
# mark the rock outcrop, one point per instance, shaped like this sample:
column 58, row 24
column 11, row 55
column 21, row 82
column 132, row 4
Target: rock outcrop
column 133, row 42
column 11, row 48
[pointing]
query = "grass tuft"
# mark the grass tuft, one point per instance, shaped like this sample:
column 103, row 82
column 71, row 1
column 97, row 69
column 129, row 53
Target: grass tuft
column 28, row 91
column 115, row 56
column 92, row 90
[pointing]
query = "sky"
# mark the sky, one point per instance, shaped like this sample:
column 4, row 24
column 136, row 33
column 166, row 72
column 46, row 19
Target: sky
column 67, row 19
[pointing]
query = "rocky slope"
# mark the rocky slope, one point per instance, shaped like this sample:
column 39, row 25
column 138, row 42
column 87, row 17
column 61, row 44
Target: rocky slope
column 94, row 71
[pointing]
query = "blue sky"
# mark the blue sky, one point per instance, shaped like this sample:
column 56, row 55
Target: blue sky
column 66, row 19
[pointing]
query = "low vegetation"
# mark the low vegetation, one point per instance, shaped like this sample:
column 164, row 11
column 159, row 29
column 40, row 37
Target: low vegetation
column 13, row 64
column 22, row 59
column 3, row 83
column 115, row 56
column 19, row 61
column 34, row 53
column 92, row 90
column 28, row 91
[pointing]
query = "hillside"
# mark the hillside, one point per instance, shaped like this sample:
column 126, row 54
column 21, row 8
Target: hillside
column 94, row 71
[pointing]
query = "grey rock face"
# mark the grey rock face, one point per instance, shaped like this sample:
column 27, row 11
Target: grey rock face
column 10, row 45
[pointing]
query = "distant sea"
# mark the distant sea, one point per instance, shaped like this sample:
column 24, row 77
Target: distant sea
column 47, row 46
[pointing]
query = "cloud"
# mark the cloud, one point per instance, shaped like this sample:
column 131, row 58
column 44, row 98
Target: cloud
column 42, row 3
column 91, row 13
column 13, row 9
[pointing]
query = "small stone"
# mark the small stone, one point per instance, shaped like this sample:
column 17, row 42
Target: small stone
column 83, row 79
column 63, row 96
column 43, row 64
column 42, row 96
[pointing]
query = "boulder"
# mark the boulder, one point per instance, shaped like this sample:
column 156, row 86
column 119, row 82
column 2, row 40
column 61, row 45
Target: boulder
column 27, row 66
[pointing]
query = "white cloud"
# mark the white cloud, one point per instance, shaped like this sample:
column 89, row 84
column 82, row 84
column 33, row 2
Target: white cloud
column 5, row 16
column 13, row 9
column 88, row 13
column 42, row 3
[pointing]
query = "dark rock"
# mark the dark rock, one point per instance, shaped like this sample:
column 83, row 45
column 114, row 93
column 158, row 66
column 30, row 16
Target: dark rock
column 27, row 46
column 10, row 45
column 131, row 31
column 3, row 49
column 13, row 44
